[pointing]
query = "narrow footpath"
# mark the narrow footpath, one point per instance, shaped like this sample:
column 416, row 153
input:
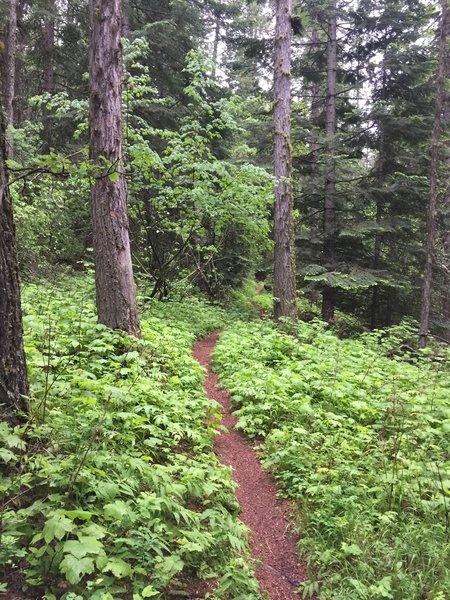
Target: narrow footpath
column 272, row 541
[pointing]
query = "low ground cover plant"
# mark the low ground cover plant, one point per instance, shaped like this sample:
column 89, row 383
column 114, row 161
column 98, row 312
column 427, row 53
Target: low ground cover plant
column 357, row 434
column 111, row 490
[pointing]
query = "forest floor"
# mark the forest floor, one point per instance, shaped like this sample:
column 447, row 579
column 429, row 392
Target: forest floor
column 272, row 540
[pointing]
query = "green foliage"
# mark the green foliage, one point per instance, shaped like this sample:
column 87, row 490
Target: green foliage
column 199, row 208
column 356, row 279
column 203, row 217
column 251, row 300
column 112, row 488
column 357, row 434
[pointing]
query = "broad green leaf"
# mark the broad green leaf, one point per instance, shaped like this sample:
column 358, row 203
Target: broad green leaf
column 57, row 527
column 118, row 567
column 149, row 592
column 75, row 568
column 83, row 546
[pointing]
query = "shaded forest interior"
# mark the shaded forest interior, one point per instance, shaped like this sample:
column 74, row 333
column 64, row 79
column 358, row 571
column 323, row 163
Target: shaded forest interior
column 278, row 170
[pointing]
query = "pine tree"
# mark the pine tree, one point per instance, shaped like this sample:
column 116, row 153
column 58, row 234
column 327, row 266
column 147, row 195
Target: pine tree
column 284, row 270
column 330, row 225
column 433, row 198
column 10, row 66
column 13, row 373
column 48, row 75
column 116, row 293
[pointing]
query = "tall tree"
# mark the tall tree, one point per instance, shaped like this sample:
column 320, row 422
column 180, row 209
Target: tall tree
column 446, row 229
column 284, row 268
column 10, row 65
column 433, row 197
column 446, row 200
column 13, row 372
column 115, row 288
column 328, row 298
column 48, row 78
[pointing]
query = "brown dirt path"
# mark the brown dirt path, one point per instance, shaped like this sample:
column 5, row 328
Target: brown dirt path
column 268, row 517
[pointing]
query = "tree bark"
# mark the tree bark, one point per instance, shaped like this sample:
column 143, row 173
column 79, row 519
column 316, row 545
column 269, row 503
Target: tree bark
column 375, row 265
column 329, row 293
column 13, row 373
column 10, row 67
column 316, row 111
column 115, row 288
column 284, row 270
column 446, row 200
column 378, row 242
column 215, row 56
column 433, row 197
column 48, row 76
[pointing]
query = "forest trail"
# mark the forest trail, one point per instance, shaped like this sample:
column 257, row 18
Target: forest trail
column 272, row 541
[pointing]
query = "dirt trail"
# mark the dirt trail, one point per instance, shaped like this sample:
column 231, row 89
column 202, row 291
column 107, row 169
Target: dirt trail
column 272, row 541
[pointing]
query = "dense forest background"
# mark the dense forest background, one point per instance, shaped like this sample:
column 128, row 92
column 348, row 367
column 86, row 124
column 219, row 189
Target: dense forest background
column 250, row 192
column 197, row 108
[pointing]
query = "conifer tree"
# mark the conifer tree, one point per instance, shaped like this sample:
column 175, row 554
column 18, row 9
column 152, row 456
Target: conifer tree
column 328, row 300
column 433, row 197
column 10, row 66
column 284, row 269
column 115, row 288
column 13, row 373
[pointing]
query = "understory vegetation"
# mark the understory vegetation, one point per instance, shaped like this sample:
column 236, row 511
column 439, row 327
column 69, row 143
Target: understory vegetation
column 111, row 489
column 356, row 431
column 278, row 170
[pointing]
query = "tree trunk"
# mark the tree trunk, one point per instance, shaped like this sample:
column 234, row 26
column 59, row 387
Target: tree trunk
column 48, row 76
column 284, row 271
column 378, row 242
column 432, row 203
column 13, row 373
column 329, row 293
column 375, row 265
column 10, row 67
column 446, row 202
column 446, row 301
column 215, row 56
column 115, row 288
column 316, row 112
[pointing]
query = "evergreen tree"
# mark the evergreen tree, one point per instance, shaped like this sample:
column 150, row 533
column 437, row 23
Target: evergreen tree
column 434, row 191
column 284, row 288
column 116, row 293
column 13, row 373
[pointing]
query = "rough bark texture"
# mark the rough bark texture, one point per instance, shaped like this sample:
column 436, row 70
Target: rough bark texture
column 284, row 271
column 316, row 113
column 116, row 293
column 329, row 293
column 446, row 202
column 13, row 372
column 432, row 203
column 10, row 67
column 48, row 75
column 378, row 241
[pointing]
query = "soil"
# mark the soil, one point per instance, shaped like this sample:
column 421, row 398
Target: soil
column 272, row 541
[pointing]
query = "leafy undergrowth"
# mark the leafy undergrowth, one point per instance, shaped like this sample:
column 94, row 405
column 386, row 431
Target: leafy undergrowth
column 359, row 438
column 112, row 490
